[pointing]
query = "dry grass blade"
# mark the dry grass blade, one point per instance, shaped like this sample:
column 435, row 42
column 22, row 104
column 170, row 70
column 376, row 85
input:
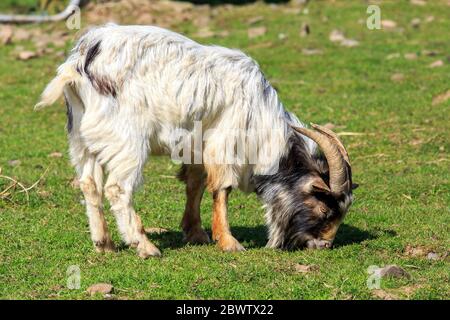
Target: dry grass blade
column 4, row 193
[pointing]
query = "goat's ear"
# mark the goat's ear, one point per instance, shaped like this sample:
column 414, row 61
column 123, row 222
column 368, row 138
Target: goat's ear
column 318, row 185
column 354, row 186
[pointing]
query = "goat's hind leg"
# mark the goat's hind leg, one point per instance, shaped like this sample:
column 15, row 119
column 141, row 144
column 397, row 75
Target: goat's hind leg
column 91, row 186
column 194, row 176
column 90, row 174
column 119, row 191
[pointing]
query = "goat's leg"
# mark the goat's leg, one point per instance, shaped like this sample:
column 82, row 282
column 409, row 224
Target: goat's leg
column 91, row 186
column 194, row 177
column 120, row 194
column 220, row 228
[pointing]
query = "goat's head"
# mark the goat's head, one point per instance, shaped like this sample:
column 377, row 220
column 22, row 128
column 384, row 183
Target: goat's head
column 309, row 196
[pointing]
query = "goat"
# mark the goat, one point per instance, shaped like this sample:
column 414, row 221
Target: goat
column 129, row 88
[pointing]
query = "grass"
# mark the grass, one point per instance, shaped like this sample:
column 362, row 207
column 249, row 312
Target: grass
column 401, row 163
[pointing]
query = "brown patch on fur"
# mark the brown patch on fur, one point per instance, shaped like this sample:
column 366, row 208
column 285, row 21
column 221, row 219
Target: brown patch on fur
column 220, row 227
column 112, row 192
column 215, row 176
column 104, row 86
column 319, row 208
column 330, row 230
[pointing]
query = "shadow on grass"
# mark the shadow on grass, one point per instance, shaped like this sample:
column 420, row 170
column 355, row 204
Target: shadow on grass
column 348, row 235
column 169, row 239
column 256, row 237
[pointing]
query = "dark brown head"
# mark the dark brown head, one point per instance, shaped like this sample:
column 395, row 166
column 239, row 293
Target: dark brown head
column 310, row 195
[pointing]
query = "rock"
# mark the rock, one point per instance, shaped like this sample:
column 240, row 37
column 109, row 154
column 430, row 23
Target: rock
column 418, row 2
column 282, row 36
column 393, row 56
column 443, row 97
column 21, row 35
column 305, row 30
column 301, row 268
column 436, row 64
column 393, row 271
column 255, row 20
column 397, row 77
column 388, row 24
column 379, row 293
column 6, row 34
column 311, row 52
column 415, row 251
column 55, row 155
column 432, row 256
column 103, row 288
column 415, row 23
column 26, row 55
column 14, row 163
column 336, row 36
column 430, row 53
column 410, row 56
column 350, row 43
column 256, row 32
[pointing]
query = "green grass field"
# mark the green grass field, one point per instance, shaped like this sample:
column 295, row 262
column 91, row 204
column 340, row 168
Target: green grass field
column 400, row 159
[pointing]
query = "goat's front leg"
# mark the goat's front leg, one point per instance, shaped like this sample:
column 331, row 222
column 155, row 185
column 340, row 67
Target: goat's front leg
column 220, row 228
column 194, row 177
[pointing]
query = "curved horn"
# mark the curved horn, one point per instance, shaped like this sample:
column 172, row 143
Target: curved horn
column 338, row 172
column 333, row 136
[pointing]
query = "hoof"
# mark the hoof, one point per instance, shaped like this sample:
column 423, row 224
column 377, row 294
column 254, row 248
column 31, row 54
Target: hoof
column 197, row 236
column 229, row 244
column 147, row 249
column 105, row 246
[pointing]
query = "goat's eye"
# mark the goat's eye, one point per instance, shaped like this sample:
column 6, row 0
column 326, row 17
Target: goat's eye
column 323, row 209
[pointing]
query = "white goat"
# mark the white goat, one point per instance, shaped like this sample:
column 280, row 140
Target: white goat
column 129, row 88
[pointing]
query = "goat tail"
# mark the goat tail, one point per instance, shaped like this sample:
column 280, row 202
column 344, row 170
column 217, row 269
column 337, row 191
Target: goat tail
column 67, row 75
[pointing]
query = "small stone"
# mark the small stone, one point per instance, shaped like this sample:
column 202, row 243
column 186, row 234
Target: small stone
column 415, row 23
column 336, row 36
column 393, row 271
column 254, row 20
column 305, row 30
column 103, row 288
column 393, row 56
column 6, row 33
column 350, row 43
column 311, row 52
column 432, row 256
column 437, row 64
column 418, row 2
column 430, row 53
column 256, row 32
column 55, row 155
column 14, row 163
column 301, row 268
column 397, row 77
column 388, row 24
column 410, row 56
column 282, row 36
column 26, row 55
